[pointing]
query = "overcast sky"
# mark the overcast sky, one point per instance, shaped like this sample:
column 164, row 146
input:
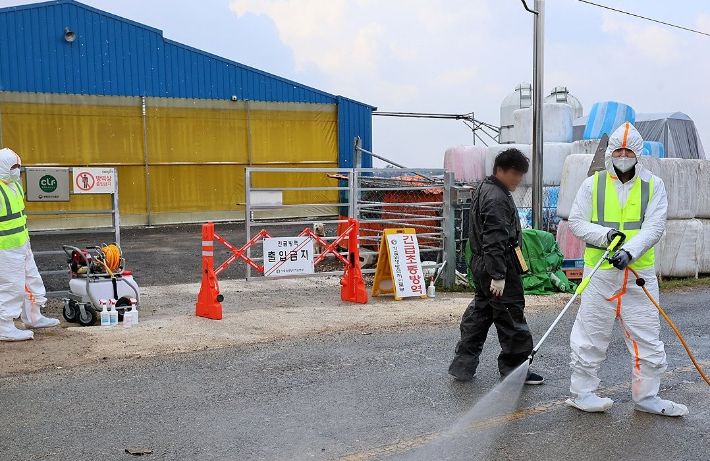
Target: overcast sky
column 450, row 55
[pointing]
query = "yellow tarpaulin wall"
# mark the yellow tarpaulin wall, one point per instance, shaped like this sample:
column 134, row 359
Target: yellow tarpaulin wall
column 195, row 150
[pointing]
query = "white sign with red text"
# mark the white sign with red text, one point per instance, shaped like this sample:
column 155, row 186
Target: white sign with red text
column 94, row 180
column 406, row 266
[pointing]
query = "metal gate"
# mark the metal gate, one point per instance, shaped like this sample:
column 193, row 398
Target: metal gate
column 391, row 198
column 377, row 198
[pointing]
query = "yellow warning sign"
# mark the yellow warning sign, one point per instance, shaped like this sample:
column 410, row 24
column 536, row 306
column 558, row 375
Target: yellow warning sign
column 399, row 268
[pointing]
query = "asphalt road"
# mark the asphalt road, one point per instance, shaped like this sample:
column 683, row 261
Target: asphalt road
column 356, row 396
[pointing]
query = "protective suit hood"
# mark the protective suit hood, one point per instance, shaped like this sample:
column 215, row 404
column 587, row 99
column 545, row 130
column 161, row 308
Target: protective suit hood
column 8, row 158
column 627, row 137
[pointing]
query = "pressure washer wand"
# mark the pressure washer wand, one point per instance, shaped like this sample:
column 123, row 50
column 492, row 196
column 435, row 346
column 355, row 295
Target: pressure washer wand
column 618, row 240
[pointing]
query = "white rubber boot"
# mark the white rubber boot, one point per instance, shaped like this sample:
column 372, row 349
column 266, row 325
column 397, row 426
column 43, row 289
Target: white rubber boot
column 658, row 406
column 35, row 319
column 9, row 332
column 591, row 403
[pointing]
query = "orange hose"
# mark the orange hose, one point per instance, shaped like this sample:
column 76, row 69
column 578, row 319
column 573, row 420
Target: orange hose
column 685, row 345
column 113, row 256
column 110, row 272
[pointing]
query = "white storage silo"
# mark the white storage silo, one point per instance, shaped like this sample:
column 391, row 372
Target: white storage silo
column 560, row 94
column 521, row 98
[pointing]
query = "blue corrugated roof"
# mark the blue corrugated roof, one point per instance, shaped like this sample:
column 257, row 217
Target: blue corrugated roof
column 115, row 56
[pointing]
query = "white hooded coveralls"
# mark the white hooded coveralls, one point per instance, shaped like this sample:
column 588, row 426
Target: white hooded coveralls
column 613, row 293
column 22, row 291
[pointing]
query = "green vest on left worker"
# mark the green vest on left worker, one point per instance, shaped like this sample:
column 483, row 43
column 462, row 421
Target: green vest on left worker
column 13, row 221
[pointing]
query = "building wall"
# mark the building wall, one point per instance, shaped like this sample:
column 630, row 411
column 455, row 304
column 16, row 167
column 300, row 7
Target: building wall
column 193, row 154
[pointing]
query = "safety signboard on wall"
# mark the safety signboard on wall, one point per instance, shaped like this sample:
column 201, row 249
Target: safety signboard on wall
column 285, row 256
column 399, row 268
column 94, row 180
column 47, row 184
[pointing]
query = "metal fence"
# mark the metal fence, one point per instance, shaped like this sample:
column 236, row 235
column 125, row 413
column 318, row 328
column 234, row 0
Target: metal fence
column 397, row 198
column 378, row 198
column 523, row 200
column 286, row 211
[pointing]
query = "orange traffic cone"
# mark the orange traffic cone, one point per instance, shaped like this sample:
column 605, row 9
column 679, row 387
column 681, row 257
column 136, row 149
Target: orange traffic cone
column 353, row 286
column 209, row 301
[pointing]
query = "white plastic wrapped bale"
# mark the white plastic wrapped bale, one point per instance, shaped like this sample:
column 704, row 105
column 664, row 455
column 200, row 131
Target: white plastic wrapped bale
column 554, row 155
column 585, row 146
column 496, row 149
column 680, row 177
column 705, row 253
column 574, row 172
column 703, row 189
column 467, row 162
column 570, row 246
column 678, row 254
column 556, row 124
column 607, row 116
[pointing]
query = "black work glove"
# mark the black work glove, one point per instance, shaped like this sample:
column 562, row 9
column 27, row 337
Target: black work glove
column 621, row 259
column 612, row 234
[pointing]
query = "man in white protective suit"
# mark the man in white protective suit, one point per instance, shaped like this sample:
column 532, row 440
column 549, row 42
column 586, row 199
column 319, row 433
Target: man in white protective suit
column 625, row 199
column 22, row 292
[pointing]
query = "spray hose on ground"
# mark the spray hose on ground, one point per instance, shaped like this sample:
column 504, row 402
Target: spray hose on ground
column 642, row 283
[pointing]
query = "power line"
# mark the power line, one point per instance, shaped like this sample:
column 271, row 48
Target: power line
column 644, row 17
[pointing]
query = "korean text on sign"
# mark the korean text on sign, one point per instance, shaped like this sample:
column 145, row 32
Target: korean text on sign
column 284, row 256
column 406, row 265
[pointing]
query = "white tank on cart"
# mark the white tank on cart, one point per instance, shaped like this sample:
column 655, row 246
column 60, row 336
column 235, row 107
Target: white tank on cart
column 102, row 288
column 560, row 94
column 521, row 98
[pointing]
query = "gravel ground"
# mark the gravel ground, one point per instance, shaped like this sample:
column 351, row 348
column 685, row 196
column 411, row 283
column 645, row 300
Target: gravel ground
column 254, row 312
column 166, row 264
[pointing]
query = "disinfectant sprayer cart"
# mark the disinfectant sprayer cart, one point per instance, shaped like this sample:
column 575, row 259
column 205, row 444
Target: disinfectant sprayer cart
column 95, row 277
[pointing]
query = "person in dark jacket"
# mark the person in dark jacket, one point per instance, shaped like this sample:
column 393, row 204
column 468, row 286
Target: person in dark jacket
column 494, row 235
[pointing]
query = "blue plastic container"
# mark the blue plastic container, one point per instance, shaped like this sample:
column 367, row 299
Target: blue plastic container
column 573, row 263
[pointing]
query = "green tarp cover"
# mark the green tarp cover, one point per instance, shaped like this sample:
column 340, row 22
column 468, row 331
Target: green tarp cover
column 544, row 259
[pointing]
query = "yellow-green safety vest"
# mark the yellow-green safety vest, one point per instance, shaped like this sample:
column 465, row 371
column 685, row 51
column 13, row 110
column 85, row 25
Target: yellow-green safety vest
column 13, row 221
column 607, row 212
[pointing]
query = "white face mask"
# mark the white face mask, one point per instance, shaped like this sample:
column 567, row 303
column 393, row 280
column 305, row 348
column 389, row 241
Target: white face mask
column 624, row 164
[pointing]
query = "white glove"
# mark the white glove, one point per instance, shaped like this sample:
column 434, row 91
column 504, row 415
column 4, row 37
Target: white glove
column 497, row 287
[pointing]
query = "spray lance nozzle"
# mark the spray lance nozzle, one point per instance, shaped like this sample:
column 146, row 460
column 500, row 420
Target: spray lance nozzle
column 532, row 356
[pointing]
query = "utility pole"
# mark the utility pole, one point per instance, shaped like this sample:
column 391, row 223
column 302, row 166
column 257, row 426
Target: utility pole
column 537, row 108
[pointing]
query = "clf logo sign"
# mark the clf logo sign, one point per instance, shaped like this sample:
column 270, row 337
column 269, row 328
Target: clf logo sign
column 48, row 183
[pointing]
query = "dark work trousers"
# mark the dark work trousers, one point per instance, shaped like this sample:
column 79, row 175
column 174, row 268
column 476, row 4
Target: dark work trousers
column 507, row 315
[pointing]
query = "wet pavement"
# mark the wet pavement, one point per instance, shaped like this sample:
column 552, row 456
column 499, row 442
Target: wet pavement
column 362, row 395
